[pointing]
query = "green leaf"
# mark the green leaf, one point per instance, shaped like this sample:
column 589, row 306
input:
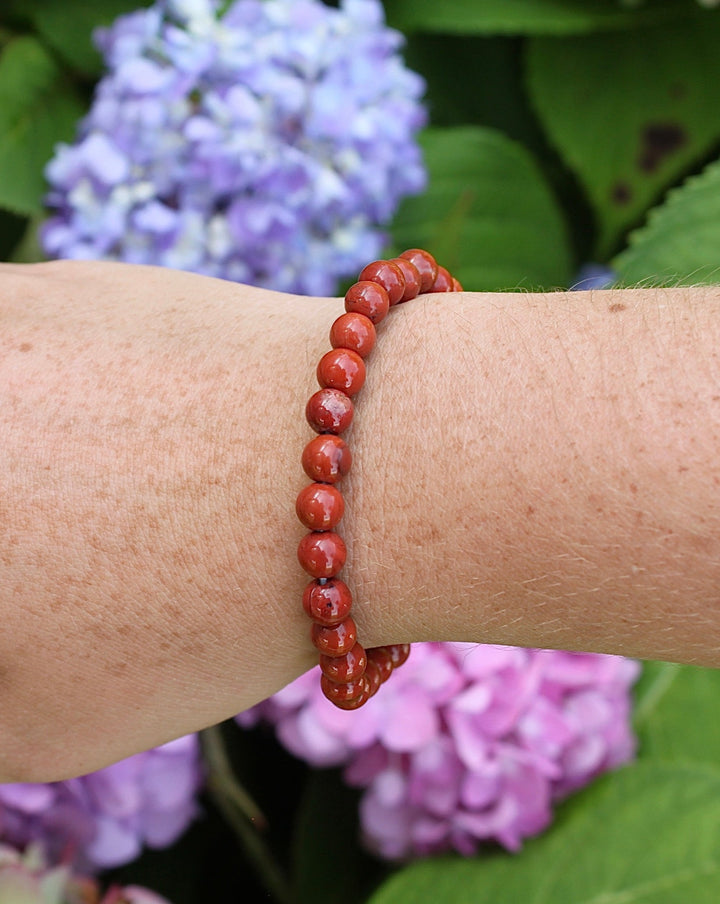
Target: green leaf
column 676, row 713
column 487, row 213
column 67, row 27
column 5, row 35
column 649, row 834
column 679, row 245
column 15, row 14
column 12, row 229
column 629, row 118
column 38, row 108
column 545, row 17
column 495, row 63
column 27, row 249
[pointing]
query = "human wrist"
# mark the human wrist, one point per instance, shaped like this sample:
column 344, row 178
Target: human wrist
column 540, row 482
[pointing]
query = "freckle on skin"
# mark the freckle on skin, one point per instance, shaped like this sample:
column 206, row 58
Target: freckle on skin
column 617, row 307
column 26, row 347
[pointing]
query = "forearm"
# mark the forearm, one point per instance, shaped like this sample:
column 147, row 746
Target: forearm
column 151, row 435
column 550, row 473
column 527, row 469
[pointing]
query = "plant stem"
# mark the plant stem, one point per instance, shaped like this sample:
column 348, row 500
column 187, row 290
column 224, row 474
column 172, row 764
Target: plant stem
column 242, row 814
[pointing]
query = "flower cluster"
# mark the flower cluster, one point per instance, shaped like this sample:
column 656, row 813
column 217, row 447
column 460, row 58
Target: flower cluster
column 104, row 819
column 263, row 141
column 466, row 743
column 25, row 879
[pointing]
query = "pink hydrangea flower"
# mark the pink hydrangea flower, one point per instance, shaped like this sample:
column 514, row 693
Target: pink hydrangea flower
column 466, row 743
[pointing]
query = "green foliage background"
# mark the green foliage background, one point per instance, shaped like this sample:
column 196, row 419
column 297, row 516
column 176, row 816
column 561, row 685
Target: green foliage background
column 562, row 131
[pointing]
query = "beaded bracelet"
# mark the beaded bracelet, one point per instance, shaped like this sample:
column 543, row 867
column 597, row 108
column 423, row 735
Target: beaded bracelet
column 350, row 674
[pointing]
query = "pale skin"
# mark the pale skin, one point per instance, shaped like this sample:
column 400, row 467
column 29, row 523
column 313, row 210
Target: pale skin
column 531, row 469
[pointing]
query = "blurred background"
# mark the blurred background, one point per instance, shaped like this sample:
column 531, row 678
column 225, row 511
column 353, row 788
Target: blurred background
column 528, row 144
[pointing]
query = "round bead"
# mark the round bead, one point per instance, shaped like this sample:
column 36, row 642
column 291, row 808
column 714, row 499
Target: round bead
column 411, row 276
column 350, row 674
column 373, row 678
column 328, row 603
column 443, row 281
column 326, row 458
column 341, row 693
column 322, row 555
column 356, row 702
column 347, row 668
column 399, row 653
column 425, row 264
column 353, row 331
column 342, row 368
column 368, row 298
column 383, row 660
column 329, row 411
column 320, row 506
column 387, row 275
column 337, row 640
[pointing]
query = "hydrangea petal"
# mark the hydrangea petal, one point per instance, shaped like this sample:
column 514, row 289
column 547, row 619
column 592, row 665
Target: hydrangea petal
column 412, row 722
column 113, row 844
column 27, row 798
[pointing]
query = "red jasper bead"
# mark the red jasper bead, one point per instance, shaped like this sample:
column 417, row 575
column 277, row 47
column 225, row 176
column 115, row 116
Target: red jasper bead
column 373, row 677
column 356, row 702
column 329, row 411
column 387, row 275
column 411, row 276
column 368, row 298
column 399, row 653
column 322, row 554
column 337, row 640
column 351, row 675
column 443, row 281
column 347, row 668
column 340, row 693
column 383, row 659
column 320, row 506
column 353, row 331
column 425, row 264
column 342, row 368
column 326, row 458
column 328, row 603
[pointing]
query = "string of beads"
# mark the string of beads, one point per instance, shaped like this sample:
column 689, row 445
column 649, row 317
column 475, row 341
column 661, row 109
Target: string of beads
column 350, row 673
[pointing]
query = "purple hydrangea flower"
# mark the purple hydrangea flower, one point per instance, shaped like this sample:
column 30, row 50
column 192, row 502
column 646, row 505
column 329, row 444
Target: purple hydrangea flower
column 466, row 743
column 104, row 819
column 263, row 141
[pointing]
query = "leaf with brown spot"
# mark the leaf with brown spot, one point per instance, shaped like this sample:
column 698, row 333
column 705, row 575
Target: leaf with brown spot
column 659, row 140
column 630, row 112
